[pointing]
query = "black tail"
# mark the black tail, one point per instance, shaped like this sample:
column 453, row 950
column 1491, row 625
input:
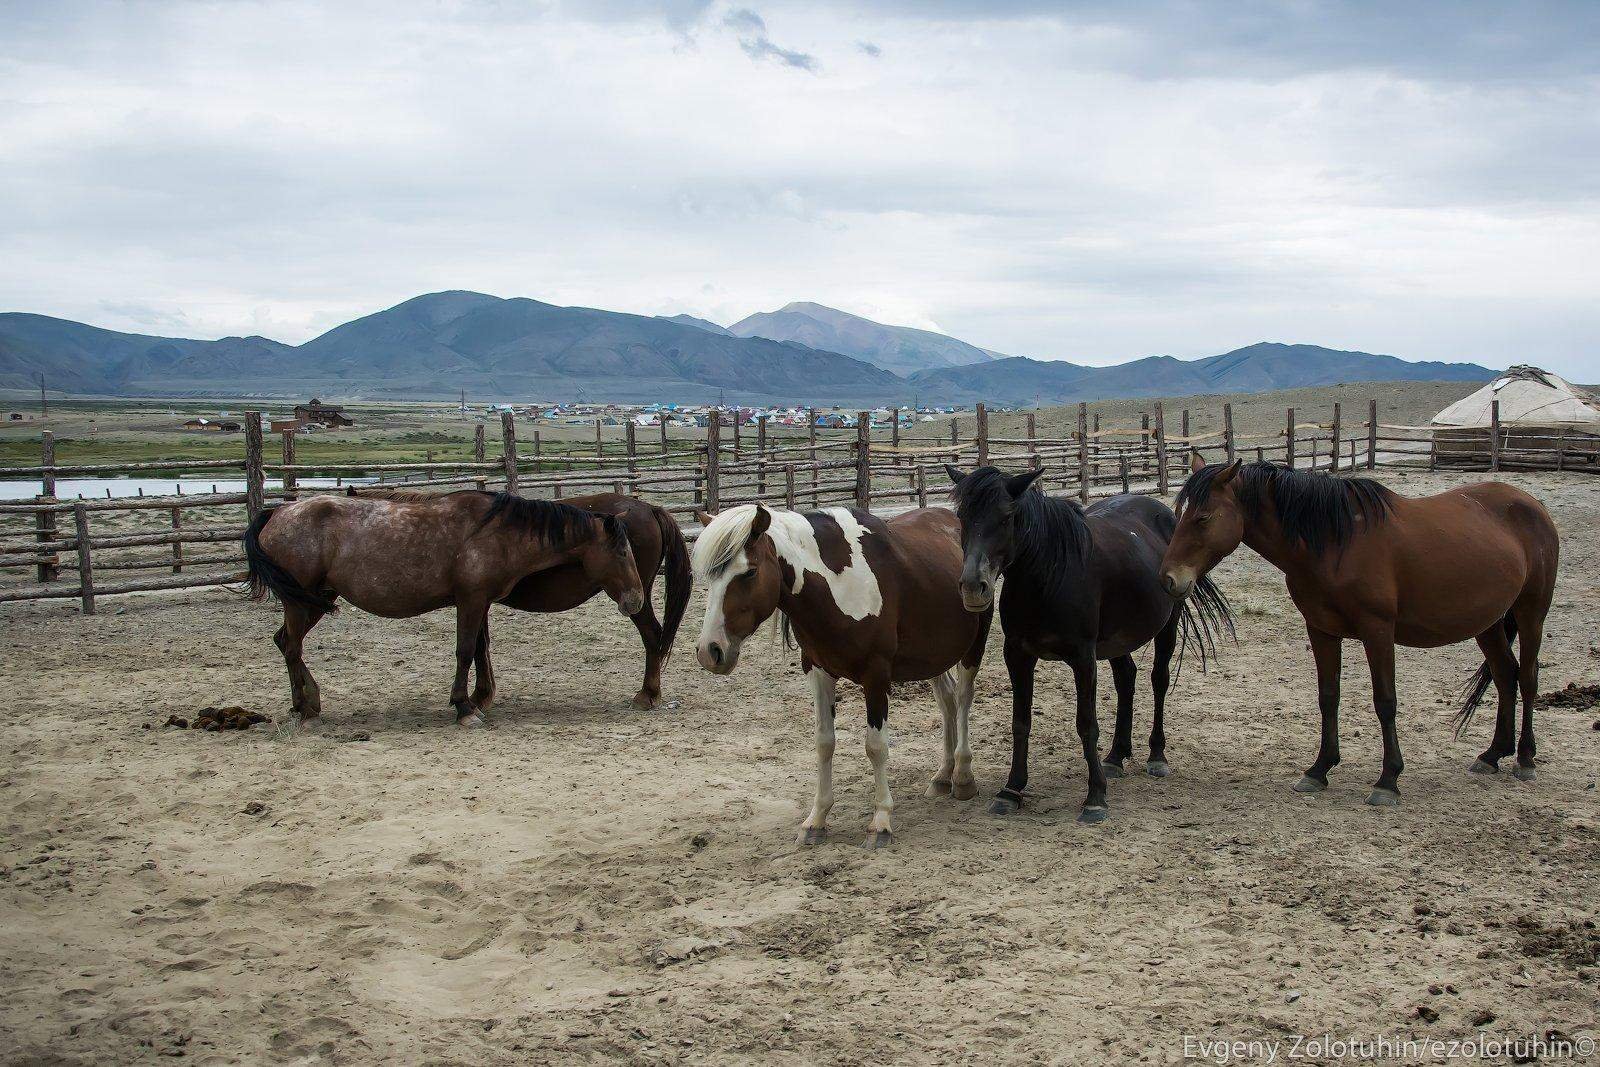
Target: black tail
column 1481, row 680
column 680, row 578
column 1203, row 616
column 267, row 577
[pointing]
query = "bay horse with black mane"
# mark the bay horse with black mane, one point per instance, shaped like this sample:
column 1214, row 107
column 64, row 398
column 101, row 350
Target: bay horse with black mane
column 1080, row 586
column 1363, row 563
column 413, row 553
column 868, row 599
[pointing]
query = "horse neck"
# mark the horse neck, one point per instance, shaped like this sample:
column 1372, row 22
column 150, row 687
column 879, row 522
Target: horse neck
column 1263, row 534
column 1024, row 564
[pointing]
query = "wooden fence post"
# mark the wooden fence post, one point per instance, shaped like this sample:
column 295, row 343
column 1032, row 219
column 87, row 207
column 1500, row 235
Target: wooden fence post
column 661, row 420
column 1183, row 431
column 1083, row 453
column 1338, row 432
column 864, row 459
column 80, row 516
column 713, row 459
column 177, row 545
column 1288, row 436
column 983, row 435
column 737, row 446
column 761, row 455
column 811, row 435
column 922, row 486
column 788, row 486
column 1033, row 449
column 1161, row 450
column 894, row 433
column 599, row 444
column 45, row 522
column 1372, row 435
column 1122, row 468
column 508, row 448
column 478, row 451
column 955, row 440
column 1144, row 441
column 1494, row 435
column 633, row 456
column 254, row 481
column 289, row 480
column 1227, row 432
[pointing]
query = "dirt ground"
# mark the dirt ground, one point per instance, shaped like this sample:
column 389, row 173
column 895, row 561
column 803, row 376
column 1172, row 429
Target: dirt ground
column 587, row 883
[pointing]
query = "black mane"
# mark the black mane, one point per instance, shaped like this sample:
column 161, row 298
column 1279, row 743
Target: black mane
column 558, row 525
column 1050, row 530
column 1317, row 510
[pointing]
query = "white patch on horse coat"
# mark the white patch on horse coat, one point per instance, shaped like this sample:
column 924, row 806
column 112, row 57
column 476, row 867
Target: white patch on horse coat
column 720, row 549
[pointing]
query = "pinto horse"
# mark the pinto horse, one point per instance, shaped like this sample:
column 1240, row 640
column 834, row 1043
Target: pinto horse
column 1366, row 564
column 416, row 553
column 1081, row 586
column 869, row 599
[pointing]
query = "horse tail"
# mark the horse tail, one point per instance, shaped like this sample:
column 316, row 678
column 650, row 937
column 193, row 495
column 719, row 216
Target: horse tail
column 266, row 576
column 1202, row 617
column 1478, row 684
column 680, row 578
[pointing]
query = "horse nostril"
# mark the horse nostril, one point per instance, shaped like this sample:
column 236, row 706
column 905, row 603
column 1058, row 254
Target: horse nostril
column 715, row 651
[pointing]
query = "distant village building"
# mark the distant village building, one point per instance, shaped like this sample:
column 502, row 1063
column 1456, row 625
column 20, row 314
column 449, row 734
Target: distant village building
column 212, row 426
column 320, row 414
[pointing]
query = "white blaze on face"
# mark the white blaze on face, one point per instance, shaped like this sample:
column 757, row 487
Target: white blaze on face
column 714, row 627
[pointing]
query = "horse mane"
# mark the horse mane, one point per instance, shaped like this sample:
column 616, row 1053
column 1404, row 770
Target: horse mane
column 1317, row 510
column 1050, row 530
column 558, row 525
column 404, row 496
column 721, row 541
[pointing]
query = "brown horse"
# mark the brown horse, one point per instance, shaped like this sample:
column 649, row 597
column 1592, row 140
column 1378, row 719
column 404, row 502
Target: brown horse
column 871, row 600
column 1367, row 564
column 417, row 553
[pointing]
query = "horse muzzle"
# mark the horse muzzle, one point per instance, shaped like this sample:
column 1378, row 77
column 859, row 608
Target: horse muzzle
column 718, row 657
column 977, row 597
column 1178, row 583
column 631, row 603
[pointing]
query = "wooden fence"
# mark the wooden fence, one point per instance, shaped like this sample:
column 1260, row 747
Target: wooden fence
column 55, row 539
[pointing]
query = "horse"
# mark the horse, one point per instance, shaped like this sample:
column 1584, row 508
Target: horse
column 1080, row 586
column 1364, row 563
column 416, row 553
column 868, row 599
column 657, row 545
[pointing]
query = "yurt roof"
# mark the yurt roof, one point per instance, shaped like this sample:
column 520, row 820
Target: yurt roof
column 1526, row 395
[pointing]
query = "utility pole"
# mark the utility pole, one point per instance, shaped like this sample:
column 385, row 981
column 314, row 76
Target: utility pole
column 44, row 401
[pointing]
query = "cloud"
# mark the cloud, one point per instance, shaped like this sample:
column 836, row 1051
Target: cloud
column 869, row 48
column 751, row 30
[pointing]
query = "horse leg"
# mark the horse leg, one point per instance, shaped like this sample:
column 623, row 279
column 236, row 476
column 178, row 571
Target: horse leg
column 305, row 696
column 1123, row 676
column 649, row 627
column 815, row 829
column 1530, row 628
column 879, row 833
column 471, row 616
column 1020, row 665
column 1084, row 677
column 1503, row 669
column 944, row 692
column 1325, row 649
column 963, row 785
column 1380, row 660
column 483, row 667
column 1160, row 678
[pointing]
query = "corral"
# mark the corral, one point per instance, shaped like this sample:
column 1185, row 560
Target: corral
column 584, row 881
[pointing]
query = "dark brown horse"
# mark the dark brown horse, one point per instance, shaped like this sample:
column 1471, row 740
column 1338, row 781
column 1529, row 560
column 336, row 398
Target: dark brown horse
column 1366, row 564
column 416, row 553
column 868, row 599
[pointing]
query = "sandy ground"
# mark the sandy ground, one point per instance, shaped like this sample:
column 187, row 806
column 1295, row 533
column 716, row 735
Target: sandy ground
column 587, row 883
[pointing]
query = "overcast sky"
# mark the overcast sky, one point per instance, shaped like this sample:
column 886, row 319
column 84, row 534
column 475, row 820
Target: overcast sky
column 1084, row 181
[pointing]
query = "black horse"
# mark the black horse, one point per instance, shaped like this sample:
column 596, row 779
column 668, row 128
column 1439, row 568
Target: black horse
column 1080, row 586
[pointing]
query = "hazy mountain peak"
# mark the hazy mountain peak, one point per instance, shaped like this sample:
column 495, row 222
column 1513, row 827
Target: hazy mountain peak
column 901, row 349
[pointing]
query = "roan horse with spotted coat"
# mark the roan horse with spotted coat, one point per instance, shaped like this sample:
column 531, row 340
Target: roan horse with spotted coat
column 868, row 599
column 415, row 553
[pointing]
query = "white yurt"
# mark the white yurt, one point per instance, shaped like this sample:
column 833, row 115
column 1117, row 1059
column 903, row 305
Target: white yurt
column 1545, row 420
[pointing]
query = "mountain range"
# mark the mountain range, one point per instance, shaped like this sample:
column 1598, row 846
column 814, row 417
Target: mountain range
column 431, row 346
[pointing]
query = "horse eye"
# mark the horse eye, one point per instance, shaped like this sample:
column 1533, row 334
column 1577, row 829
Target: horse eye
column 751, row 573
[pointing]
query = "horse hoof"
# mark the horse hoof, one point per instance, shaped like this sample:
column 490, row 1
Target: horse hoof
column 1094, row 814
column 937, row 788
column 1483, row 766
column 964, row 790
column 878, row 839
column 1157, row 768
column 1524, row 774
column 1383, row 798
column 1112, row 770
column 473, row 721
column 812, row 835
column 643, row 701
column 483, row 703
column 1005, row 804
column 1308, row 784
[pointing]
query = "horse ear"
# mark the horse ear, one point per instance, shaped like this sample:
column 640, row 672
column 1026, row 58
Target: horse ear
column 703, row 518
column 1228, row 473
column 758, row 527
column 1018, row 484
column 955, row 472
column 1196, row 464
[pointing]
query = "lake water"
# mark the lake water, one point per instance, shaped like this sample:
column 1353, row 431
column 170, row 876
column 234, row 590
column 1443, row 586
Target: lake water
column 97, row 488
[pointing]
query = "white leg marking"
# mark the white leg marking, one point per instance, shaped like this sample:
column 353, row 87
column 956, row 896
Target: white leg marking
column 944, row 692
column 964, row 785
column 882, row 801
column 822, row 699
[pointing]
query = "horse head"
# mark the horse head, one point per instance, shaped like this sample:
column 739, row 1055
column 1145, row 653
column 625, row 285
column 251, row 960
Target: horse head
column 738, row 562
column 986, row 503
